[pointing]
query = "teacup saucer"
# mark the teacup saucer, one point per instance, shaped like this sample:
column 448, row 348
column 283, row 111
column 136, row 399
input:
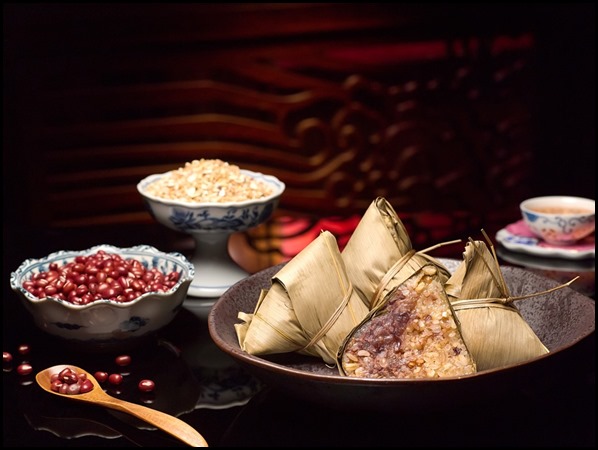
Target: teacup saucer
column 518, row 238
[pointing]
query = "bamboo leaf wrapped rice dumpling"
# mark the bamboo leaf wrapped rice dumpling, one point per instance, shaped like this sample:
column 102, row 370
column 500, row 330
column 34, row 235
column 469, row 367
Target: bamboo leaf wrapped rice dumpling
column 492, row 326
column 379, row 255
column 310, row 307
column 412, row 334
column 379, row 240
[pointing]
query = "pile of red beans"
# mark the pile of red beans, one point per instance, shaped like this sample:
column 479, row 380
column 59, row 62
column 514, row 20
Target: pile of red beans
column 70, row 382
column 100, row 276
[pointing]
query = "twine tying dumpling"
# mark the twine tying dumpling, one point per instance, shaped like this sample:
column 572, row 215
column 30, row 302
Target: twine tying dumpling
column 394, row 269
column 332, row 320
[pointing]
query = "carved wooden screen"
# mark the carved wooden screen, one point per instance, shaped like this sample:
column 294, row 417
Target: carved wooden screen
column 343, row 108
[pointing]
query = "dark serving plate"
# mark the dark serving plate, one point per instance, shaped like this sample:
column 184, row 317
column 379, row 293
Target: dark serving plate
column 561, row 320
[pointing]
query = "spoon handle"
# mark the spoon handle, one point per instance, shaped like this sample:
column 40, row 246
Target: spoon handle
column 170, row 424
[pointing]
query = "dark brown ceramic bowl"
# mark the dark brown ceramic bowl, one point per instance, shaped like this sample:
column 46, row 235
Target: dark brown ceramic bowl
column 561, row 320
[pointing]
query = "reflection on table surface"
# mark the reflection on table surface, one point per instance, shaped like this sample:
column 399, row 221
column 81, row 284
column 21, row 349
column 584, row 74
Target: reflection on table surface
column 559, row 269
column 193, row 379
column 207, row 389
column 204, row 387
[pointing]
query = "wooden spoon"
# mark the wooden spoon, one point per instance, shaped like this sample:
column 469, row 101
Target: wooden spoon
column 170, row 424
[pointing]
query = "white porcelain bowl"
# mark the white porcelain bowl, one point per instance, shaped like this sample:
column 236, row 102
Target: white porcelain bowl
column 210, row 224
column 105, row 323
column 212, row 217
column 559, row 219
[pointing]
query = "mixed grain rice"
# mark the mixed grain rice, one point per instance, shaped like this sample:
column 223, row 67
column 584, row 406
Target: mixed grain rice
column 415, row 336
column 208, row 180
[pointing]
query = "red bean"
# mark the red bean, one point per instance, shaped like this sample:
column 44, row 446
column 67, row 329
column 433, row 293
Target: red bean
column 124, row 281
column 101, row 376
column 6, row 357
column 123, row 360
column 115, row 378
column 73, row 389
column 68, row 287
column 138, row 285
column 24, row 349
column 24, row 369
column 52, row 275
column 68, row 376
column 86, row 386
column 146, row 385
column 51, row 290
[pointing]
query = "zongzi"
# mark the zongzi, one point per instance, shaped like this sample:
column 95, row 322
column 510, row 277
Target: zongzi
column 379, row 254
column 492, row 326
column 412, row 334
column 310, row 307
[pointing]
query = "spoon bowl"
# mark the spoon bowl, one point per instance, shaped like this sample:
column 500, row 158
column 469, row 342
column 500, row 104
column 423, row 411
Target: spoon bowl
column 170, row 424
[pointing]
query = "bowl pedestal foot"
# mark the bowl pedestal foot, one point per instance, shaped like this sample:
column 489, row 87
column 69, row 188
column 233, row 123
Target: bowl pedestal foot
column 215, row 270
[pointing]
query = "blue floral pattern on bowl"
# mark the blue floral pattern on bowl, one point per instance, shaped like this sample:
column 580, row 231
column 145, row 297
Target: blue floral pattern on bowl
column 565, row 225
column 235, row 219
column 210, row 224
column 559, row 219
column 213, row 217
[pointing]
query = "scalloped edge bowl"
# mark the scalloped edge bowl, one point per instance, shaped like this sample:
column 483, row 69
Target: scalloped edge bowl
column 106, row 323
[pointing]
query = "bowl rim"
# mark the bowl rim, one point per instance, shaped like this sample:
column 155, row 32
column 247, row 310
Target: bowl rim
column 279, row 188
column 17, row 275
column 559, row 199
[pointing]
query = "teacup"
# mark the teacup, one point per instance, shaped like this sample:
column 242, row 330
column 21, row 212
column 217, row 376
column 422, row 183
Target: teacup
column 559, row 219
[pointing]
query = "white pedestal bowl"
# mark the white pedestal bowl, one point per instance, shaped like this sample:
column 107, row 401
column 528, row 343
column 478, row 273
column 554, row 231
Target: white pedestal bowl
column 211, row 224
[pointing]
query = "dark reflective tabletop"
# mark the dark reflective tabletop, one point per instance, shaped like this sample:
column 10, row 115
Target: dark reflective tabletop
column 207, row 389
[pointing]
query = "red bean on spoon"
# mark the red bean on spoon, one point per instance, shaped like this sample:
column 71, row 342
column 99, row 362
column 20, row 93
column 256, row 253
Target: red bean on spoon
column 69, row 382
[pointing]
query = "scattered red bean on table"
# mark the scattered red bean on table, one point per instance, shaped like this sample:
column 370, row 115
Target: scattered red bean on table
column 123, row 360
column 24, row 369
column 102, row 377
column 24, row 349
column 146, row 385
column 70, row 382
column 115, row 378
